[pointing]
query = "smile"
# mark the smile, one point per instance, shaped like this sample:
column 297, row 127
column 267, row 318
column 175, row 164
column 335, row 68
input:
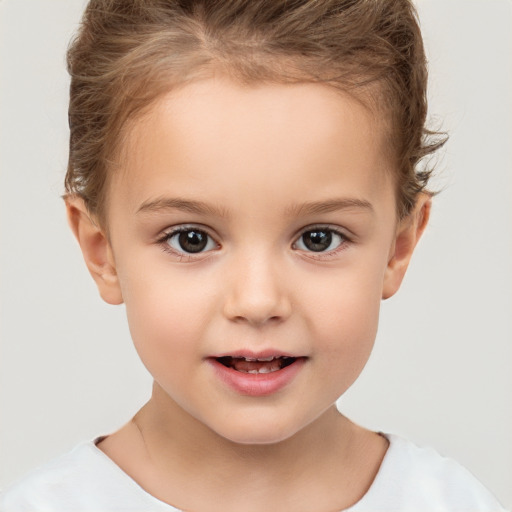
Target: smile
column 257, row 374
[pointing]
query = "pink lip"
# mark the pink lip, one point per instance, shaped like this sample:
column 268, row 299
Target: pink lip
column 256, row 384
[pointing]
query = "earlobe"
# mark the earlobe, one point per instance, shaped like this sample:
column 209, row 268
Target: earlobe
column 96, row 250
column 408, row 233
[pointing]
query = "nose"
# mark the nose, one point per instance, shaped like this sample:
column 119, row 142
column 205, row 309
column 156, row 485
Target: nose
column 256, row 292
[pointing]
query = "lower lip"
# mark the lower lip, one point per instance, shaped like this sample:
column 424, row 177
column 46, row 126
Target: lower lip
column 257, row 384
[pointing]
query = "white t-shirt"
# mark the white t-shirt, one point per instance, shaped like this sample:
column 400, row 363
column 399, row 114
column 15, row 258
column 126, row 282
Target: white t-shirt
column 410, row 479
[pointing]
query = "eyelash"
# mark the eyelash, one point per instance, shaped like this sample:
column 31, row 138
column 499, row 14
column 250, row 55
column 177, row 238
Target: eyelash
column 164, row 240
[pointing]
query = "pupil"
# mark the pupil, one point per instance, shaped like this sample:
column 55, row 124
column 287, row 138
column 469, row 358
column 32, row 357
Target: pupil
column 317, row 240
column 192, row 241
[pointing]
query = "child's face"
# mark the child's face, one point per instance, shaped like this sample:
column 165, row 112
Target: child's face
column 285, row 203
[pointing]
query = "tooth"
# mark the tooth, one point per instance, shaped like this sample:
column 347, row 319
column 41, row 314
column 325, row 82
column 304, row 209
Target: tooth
column 252, row 359
column 266, row 358
column 252, row 371
column 265, row 369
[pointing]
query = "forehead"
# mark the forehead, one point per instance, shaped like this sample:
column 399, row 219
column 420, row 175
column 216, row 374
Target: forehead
column 263, row 135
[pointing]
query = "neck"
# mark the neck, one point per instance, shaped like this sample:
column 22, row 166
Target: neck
column 171, row 433
column 205, row 467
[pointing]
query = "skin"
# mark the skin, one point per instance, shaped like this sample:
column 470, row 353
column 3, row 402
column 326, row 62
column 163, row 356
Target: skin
column 266, row 163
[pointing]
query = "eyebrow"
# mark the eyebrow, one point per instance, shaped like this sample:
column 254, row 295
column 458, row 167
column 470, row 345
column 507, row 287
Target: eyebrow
column 330, row 205
column 176, row 203
column 201, row 208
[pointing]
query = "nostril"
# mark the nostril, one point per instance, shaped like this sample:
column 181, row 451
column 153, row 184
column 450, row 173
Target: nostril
column 256, row 320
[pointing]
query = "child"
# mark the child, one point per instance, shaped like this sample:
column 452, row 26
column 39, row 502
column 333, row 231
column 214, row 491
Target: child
column 243, row 178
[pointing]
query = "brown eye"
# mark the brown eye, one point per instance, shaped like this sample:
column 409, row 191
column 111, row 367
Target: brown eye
column 319, row 240
column 190, row 241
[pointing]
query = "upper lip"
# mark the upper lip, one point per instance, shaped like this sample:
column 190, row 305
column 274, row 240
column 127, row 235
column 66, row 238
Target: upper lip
column 250, row 354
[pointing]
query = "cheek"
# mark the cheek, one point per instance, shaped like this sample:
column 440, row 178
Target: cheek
column 167, row 314
column 345, row 313
column 349, row 330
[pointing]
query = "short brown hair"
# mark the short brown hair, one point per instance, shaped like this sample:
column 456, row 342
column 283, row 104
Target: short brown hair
column 129, row 52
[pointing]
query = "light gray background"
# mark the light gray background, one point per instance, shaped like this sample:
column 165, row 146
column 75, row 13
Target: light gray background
column 441, row 371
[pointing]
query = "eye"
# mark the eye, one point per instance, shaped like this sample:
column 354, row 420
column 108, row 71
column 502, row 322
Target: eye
column 320, row 240
column 189, row 240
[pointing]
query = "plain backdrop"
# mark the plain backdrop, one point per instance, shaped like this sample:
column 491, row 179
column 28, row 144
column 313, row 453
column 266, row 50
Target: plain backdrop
column 441, row 372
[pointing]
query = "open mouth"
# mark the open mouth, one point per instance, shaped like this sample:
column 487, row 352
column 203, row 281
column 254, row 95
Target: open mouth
column 252, row 365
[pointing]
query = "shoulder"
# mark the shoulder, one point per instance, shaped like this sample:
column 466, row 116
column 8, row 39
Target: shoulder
column 83, row 480
column 40, row 487
column 413, row 478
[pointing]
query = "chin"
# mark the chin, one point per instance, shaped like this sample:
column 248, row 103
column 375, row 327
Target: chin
column 256, row 432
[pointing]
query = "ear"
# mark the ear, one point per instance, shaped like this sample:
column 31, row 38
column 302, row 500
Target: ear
column 96, row 250
column 408, row 233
